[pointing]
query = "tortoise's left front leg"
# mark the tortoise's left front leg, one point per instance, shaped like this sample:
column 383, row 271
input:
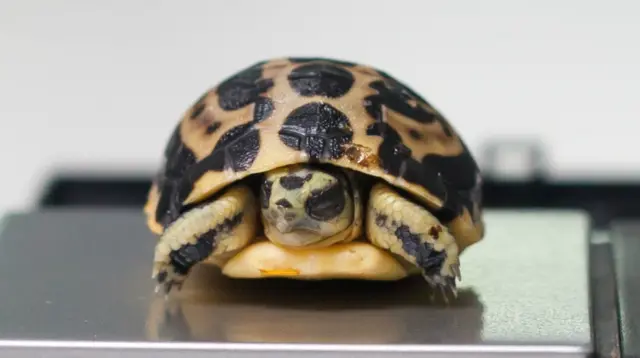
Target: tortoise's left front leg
column 205, row 232
column 410, row 231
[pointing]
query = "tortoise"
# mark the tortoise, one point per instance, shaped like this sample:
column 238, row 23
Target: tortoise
column 314, row 169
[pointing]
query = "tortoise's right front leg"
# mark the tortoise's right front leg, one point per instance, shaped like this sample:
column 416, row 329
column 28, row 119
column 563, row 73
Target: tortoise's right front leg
column 226, row 224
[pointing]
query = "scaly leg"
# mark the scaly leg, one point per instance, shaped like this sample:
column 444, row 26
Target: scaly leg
column 411, row 232
column 205, row 232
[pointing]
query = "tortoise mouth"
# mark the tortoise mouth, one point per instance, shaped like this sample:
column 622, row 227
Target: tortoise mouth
column 302, row 238
column 298, row 238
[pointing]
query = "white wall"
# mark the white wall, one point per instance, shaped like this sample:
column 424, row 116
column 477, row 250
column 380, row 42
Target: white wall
column 102, row 83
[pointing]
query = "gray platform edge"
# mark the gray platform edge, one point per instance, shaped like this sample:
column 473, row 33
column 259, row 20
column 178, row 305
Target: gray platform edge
column 625, row 239
column 202, row 350
column 604, row 298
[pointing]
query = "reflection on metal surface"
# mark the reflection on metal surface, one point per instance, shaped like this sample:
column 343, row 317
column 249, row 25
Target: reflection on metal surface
column 213, row 308
column 81, row 278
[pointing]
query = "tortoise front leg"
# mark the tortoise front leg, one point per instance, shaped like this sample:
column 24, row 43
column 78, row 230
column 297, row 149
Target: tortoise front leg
column 205, row 232
column 411, row 232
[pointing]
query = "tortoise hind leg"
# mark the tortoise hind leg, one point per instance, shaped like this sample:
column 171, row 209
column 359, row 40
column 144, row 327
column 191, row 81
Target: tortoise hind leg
column 206, row 232
column 411, row 232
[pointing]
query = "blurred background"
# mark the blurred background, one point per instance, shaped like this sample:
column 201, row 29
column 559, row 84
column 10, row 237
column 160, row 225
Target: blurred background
column 94, row 88
column 545, row 94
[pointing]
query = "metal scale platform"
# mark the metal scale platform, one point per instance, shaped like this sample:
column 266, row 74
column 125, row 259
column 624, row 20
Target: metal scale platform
column 76, row 282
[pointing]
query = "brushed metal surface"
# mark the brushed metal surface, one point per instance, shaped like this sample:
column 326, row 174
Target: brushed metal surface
column 81, row 279
column 625, row 238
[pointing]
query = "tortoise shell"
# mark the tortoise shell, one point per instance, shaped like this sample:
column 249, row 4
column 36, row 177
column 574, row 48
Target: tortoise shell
column 295, row 110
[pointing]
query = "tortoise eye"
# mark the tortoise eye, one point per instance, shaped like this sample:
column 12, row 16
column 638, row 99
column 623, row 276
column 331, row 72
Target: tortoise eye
column 325, row 204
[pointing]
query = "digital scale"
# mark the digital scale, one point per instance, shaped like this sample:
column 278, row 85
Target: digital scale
column 75, row 281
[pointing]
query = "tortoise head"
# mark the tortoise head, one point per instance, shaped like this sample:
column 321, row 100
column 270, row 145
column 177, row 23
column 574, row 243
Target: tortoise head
column 303, row 205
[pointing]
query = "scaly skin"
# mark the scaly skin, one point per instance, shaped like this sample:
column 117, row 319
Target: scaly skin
column 204, row 233
column 406, row 229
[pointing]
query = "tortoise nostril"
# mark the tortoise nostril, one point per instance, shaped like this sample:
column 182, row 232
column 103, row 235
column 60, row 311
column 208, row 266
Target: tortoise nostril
column 284, row 203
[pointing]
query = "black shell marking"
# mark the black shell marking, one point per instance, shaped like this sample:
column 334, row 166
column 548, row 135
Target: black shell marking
column 213, row 127
column 243, row 88
column 321, row 79
column 198, row 106
column 236, row 149
column 197, row 110
column 317, row 128
column 396, row 159
column 397, row 98
column 460, row 176
column 239, row 146
column 321, row 59
column 178, row 158
column 446, row 177
column 415, row 134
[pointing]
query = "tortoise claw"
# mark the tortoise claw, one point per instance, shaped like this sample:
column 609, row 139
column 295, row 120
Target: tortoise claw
column 456, row 271
column 446, row 284
column 167, row 279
